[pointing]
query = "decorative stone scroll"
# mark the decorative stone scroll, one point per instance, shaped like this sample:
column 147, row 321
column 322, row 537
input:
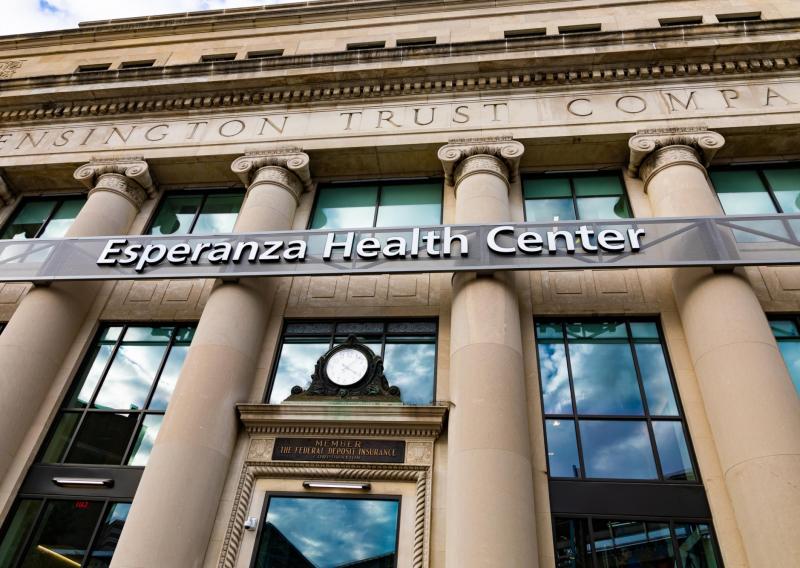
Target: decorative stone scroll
column 464, row 156
column 652, row 150
column 9, row 68
column 7, row 194
column 285, row 166
column 129, row 177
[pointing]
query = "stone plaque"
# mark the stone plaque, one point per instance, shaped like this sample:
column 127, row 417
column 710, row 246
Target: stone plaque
column 349, row 450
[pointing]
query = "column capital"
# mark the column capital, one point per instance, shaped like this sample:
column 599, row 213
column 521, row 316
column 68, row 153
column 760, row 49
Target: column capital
column 285, row 166
column 129, row 177
column 652, row 150
column 463, row 156
column 7, row 193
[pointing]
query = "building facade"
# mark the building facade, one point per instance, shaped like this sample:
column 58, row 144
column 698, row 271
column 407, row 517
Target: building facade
column 530, row 418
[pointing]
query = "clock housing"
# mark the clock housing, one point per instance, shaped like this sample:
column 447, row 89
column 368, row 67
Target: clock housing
column 348, row 371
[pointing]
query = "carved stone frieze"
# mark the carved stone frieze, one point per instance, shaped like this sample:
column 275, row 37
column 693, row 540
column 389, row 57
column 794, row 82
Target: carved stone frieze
column 284, row 166
column 652, row 150
column 8, row 68
column 129, row 177
column 462, row 157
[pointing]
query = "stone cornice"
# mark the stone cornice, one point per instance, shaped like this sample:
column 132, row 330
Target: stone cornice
column 129, row 177
column 365, row 75
column 344, row 419
column 273, row 16
column 652, row 150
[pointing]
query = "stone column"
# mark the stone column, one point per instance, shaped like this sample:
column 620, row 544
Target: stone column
column 490, row 508
column 44, row 325
column 751, row 404
column 172, row 516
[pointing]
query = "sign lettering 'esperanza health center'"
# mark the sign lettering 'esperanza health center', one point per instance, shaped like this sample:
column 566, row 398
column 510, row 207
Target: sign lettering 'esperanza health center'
column 636, row 243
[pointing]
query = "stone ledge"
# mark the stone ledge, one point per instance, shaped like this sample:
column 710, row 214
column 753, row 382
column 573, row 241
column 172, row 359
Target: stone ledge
column 378, row 419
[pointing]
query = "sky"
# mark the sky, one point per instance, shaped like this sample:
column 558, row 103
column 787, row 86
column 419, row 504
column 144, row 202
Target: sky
column 41, row 15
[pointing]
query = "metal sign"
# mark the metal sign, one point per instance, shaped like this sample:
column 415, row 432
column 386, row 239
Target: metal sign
column 634, row 243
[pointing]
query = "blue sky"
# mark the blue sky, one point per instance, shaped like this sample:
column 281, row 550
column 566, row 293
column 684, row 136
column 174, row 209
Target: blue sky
column 40, row 15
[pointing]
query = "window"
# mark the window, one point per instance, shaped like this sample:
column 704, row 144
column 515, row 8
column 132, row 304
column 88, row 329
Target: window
column 62, row 532
column 115, row 408
column 109, row 419
column 199, row 212
column 390, row 204
column 48, row 218
column 580, row 28
column 681, row 21
column 93, row 67
column 214, row 57
column 609, row 402
column 788, row 337
column 739, row 17
column 323, row 531
column 137, row 64
column 408, row 349
column 760, row 190
column 414, row 41
column 585, row 542
column 577, row 196
column 532, row 32
column 358, row 46
column 263, row 54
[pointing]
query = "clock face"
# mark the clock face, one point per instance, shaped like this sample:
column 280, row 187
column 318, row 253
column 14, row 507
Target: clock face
column 346, row 367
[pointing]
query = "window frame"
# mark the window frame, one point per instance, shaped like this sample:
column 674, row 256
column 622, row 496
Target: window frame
column 60, row 197
column 672, row 521
column 771, row 316
column 615, row 497
column 84, row 412
column 575, row 417
column 759, row 169
column 379, row 183
column 334, row 321
column 107, row 503
column 203, row 192
column 573, row 196
column 318, row 495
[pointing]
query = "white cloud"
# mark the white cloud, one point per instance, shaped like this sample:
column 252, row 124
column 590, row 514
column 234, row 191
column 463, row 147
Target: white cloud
column 41, row 15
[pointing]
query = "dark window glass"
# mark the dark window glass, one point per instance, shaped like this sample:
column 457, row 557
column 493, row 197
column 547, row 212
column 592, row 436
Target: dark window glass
column 788, row 337
column 610, row 406
column 573, row 543
column 629, row 543
column 392, row 204
column 45, row 533
column 197, row 213
column 115, row 407
column 633, row 543
column 43, row 218
column 408, row 350
column 328, row 532
column 579, row 196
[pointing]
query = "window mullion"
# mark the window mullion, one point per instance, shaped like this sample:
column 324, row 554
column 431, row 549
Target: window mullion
column 377, row 205
column 575, row 421
column 26, row 541
column 203, row 198
column 769, row 189
column 574, row 197
column 49, row 218
column 161, row 365
column 645, row 406
column 90, row 546
column 675, row 546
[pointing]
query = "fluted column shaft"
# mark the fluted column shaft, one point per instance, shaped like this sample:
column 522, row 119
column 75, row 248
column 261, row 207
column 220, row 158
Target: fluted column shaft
column 490, row 508
column 172, row 515
column 752, row 408
column 44, row 325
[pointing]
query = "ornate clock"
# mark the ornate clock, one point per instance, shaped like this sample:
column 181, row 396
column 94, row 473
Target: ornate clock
column 349, row 371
